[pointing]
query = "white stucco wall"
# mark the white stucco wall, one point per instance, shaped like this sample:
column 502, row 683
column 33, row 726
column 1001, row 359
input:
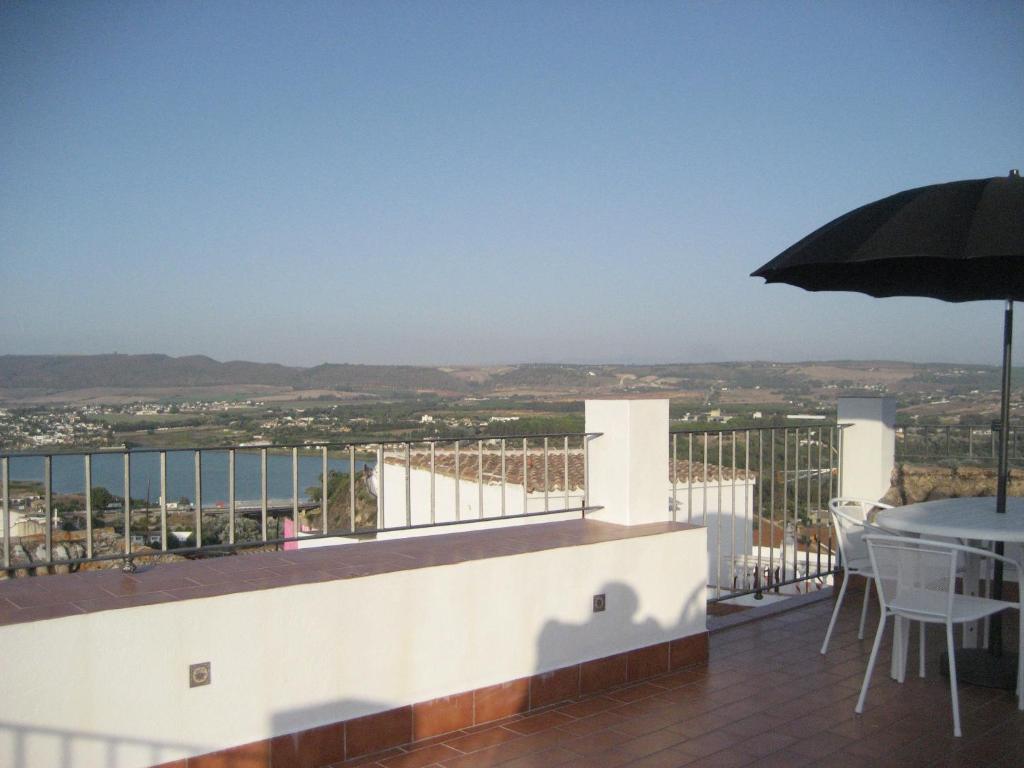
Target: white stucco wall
column 728, row 514
column 111, row 688
column 469, row 498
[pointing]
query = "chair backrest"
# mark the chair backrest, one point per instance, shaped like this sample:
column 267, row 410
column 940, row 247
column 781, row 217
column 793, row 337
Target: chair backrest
column 850, row 519
column 859, row 509
column 915, row 576
column 850, row 532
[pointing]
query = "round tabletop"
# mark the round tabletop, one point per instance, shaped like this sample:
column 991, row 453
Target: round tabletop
column 972, row 518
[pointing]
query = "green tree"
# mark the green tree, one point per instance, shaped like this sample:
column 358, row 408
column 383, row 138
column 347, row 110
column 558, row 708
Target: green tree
column 100, row 497
column 339, row 501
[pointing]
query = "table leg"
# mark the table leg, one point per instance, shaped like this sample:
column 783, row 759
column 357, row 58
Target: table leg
column 900, row 637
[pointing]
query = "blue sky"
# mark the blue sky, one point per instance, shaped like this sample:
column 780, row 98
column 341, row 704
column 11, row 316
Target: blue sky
column 440, row 182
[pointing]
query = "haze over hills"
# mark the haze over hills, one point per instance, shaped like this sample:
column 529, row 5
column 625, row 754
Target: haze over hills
column 84, row 377
column 76, row 372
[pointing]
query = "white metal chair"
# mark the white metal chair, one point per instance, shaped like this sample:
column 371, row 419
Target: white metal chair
column 916, row 580
column 850, row 518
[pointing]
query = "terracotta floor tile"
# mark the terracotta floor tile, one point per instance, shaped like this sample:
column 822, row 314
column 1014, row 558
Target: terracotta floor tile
column 508, row 750
column 367, row 760
column 668, row 758
column 535, row 723
column 545, row 759
column 432, row 741
column 599, row 722
column 634, row 692
column 707, row 744
column 652, row 742
column 492, row 724
column 784, row 758
column 752, row 725
column 586, row 707
column 599, row 741
column 643, row 725
column 486, row 738
column 611, row 759
column 726, row 758
column 766, row 743
column 819, row 745
column 419, row 758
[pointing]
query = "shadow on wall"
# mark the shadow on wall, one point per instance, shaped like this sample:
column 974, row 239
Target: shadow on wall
column 306, row 744
column 561, row 644
column 30, row 747
column 558, row 677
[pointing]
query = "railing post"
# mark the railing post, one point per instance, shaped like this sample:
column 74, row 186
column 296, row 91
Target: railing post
column 628, row 473
column 868, row 446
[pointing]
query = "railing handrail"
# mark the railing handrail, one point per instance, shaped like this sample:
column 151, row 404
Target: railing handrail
column 729, row 430
column 972, row 442
column 956, row 426
column 361, row 534
column 272, row 447
column 794, row 469
column 367, row 503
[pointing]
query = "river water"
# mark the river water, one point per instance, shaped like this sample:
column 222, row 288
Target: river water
column 68, row 474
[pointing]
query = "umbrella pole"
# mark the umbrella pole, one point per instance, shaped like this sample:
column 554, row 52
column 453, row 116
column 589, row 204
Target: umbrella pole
column 996, row 626
column 977, row 666
column 1004, row 411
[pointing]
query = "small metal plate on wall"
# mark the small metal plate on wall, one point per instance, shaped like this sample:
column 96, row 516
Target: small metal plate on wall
column 198, row 674
column 599, row 603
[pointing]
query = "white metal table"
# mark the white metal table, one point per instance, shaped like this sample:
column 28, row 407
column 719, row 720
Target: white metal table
column 973, row 521
column 967, row 519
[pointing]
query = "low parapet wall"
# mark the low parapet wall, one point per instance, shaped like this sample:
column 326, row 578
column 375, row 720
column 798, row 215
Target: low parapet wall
column 332, row 647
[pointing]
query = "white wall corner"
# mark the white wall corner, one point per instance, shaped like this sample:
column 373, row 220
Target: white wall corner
column 868, row 444
column 628, row 466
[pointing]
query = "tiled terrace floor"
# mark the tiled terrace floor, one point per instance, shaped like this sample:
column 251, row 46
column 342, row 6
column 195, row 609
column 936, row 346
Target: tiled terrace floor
column 766, row 698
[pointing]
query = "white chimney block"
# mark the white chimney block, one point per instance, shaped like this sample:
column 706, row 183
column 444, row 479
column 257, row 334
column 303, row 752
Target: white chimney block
column 869, row 445
column 628, row 468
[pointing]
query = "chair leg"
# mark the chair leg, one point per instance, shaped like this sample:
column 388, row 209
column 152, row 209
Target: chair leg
column 835, row 613
column 864, row 609
column 951, row 652
column 871, row 665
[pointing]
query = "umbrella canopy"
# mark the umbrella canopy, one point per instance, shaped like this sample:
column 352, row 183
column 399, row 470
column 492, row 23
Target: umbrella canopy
column 960, row 241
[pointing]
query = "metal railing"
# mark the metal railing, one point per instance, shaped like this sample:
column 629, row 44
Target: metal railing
column 763, row 496
column 324, row 490
column 954, row 441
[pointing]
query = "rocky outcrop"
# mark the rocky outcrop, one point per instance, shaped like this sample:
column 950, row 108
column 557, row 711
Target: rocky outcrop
column 25, row 562
column 912, row 483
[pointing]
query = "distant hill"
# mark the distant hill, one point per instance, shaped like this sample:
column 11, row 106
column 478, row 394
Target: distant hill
column 50, row 376
column 376, row 378
column 75, row 372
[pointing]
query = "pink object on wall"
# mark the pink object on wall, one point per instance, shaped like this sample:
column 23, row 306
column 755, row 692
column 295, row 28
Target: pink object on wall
column 289, row 531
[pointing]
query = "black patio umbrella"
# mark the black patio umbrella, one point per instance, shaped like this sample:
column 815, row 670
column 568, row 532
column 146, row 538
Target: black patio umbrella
column 960, row 241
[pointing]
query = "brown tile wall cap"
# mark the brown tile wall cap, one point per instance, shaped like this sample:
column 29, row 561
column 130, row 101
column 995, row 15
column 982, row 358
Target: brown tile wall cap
column 36, row 598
